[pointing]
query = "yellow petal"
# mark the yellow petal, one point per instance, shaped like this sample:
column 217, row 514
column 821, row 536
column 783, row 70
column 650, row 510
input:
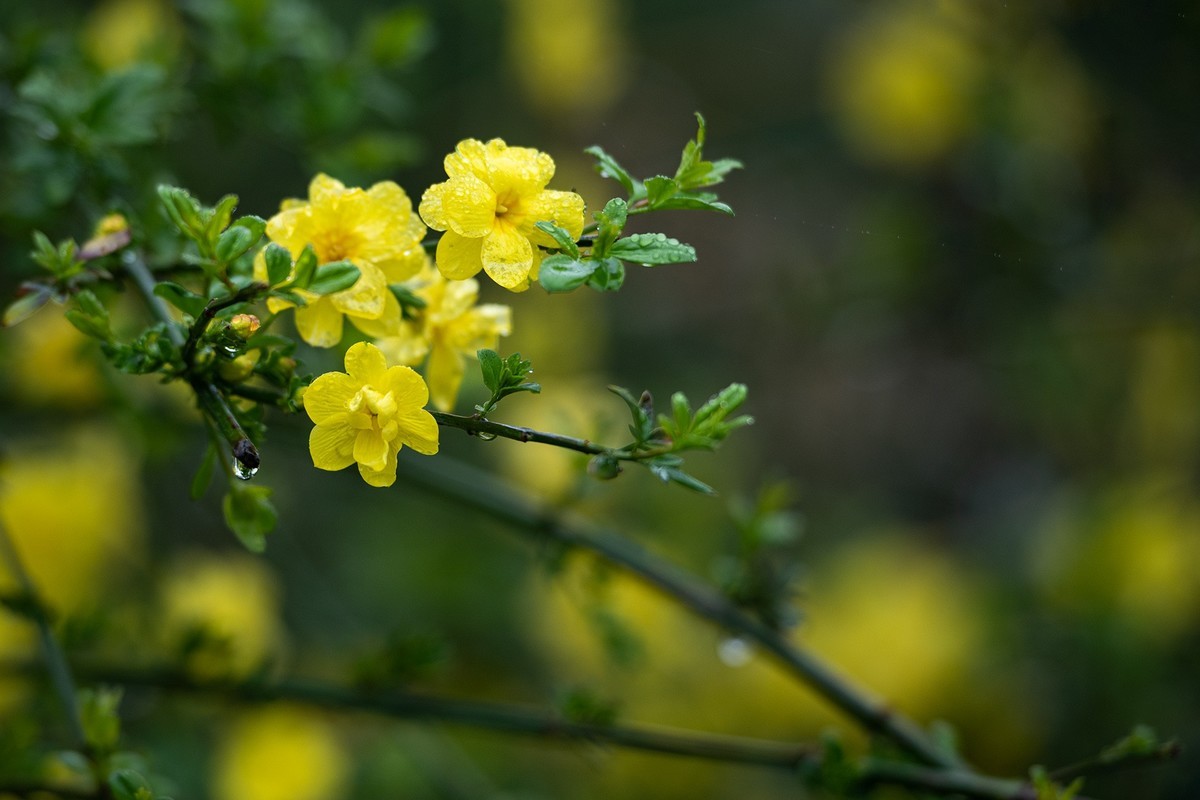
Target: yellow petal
column 520, row 169
column 468, row 206
column 387, row 324
column 457, row 298
column 445, row 373
column 458, row 257
column 366, row 365
column 385, row 476
column 329, row 396
column 408, row 348
column 564, row 209
column 407, row 387
column 367, row 297
column 479, row 328
column 507, row 257
column 370, row 449
column 468, row 158
column 331, row 448
column 419, row 431
column 319, row 323
column 323, row 189
column 388, row 196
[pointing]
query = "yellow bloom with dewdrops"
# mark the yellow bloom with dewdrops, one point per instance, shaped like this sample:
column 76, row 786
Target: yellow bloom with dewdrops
column 449, row 329
column 489, row 210
column 367, row 414
column 375, row 229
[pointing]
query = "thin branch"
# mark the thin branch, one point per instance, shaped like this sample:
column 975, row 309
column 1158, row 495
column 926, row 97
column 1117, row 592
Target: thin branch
column 946, row 781
column 478, row 489
column 1167, row 751
column 217, row 304
column 210, row 398
column 509, row 718
column 56, row 659
column 477, row 425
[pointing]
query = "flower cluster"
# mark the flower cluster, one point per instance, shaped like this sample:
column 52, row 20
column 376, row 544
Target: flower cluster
column 489, row 210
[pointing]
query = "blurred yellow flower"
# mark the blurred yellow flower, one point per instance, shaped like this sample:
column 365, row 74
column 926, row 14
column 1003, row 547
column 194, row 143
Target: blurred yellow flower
column 374, row 229
column 903, row 83
column 552, row 67
column 48, row 361
column 230, row 603
column 450, row 328
column 368, row 415
column 489, row 210
column 119, row 32
column 280, row 753
column 74, row 525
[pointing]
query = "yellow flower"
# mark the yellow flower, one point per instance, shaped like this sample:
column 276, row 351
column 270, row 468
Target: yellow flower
column 489, row 210
column 280, row 753
column 374, row 229
column 234, row 601
column 449, row 327
column 368, row 415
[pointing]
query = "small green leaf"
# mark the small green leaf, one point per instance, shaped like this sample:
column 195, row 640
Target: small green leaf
column 676, row 475
column 652, row 249
column 611, row 221
column 126, row 784
column 279, row 263
column 561, row 236
column 25, row 306
column 91, row 317
column 659, row 189
column 704, row 201
column 562, row 273
column 335, row 277
column 609, row 275
column 204, row 473
column 694, row 172
column 250, row 514
column 186, row 301
column 98, row 713
column 306, row 265
column 254, row 224
column 492, row 366
column 235, row 241
column 222, row 214
column 608, row 167
column 182, row 209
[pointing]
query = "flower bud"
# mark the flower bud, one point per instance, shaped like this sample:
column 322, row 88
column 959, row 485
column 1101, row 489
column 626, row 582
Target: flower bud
column 604, row 467
column 244, row 325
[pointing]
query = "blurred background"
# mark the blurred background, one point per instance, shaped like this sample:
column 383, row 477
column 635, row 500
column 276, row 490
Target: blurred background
column 961, row 284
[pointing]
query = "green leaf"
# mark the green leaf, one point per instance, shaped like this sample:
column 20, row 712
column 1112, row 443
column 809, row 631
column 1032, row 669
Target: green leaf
column 694, row 172
column 252, row 223
column 611, row 221
column 186, row 301
column 562, row 273
column 204, row 473
column 561, row 236
column 608, row 167
column 676, row 475
column 235, row 241
column 652, row 249
column 250, row 514
column 279, row 263
column 91, row 317
column 704, row 201
column 659, row 189
column 609, row 275
column 25, row 306
column 44, row 253
column 334, row 277
column 306, row 265
column 182, row 209
column 222, row 214
column 129, row 785
column 492, row 366
column 98, row 713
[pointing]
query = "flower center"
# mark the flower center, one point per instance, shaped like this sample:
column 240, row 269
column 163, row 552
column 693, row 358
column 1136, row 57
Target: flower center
column 507, row 203
column 335, row 245
column 373, row 409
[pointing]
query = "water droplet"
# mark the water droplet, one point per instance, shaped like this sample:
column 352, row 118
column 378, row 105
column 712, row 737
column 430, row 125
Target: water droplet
column 230, row 351
column 734, row 652
column 485, row 436
column 242, row 471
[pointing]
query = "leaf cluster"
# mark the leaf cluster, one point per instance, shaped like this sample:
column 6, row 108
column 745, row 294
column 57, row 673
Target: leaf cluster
column 503, row 377
column 599, row 261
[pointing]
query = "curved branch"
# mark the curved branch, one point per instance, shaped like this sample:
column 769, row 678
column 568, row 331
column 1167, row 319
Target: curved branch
column 481, row 491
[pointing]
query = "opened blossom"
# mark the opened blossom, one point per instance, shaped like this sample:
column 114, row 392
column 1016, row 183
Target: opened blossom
column 375, row 229
column 367, row 414
column 489, row 210
column 449, row 330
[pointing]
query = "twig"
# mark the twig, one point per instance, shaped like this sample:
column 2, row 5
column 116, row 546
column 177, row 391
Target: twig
column 477, row 425
column 56, row 659
column 196, row 332
column 479, row 490
column 1167, row 751
column 210, row 398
